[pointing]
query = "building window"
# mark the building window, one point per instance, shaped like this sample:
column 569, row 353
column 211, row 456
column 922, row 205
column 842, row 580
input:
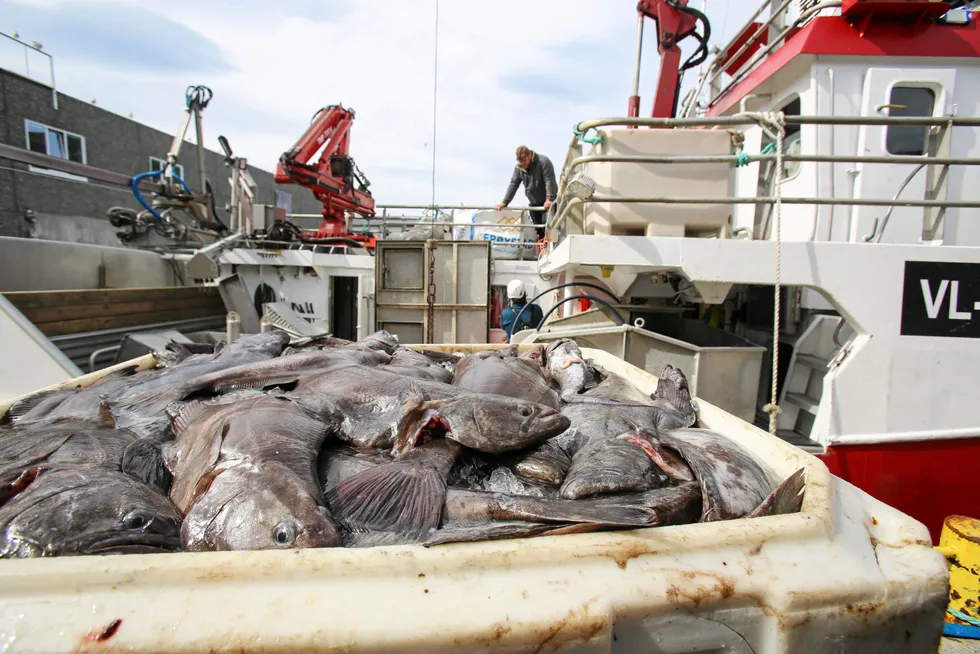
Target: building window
column 909, row 140
column 54, row 142
column 158, row 164
column 284, row 201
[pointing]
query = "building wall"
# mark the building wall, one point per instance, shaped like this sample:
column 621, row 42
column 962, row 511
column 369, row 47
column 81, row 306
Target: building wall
column 112, row 142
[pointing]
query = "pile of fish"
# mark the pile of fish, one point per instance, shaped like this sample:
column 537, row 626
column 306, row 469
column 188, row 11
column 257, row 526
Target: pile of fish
column 265, row 443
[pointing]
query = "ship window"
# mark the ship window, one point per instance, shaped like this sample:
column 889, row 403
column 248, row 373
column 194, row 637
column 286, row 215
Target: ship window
column 909, row 101
column 158, row 164
column 54, row 142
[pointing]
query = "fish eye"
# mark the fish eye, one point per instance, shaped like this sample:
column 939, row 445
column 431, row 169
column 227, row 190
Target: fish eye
column 526, row 411
column 136, row 519
column 284, row 533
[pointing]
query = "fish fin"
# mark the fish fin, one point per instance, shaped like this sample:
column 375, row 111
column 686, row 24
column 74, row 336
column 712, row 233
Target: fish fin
column 257, row 384
column 18, row 409
column 143, row 459
column 187, row 415
column 486, row 530
column 117, row 375
column 402, row 497
column 786, row 498
column 673, row 388
column 106, row 419
column 575, row 398
column 15, row 485
column 417, row 413
column 151, row 402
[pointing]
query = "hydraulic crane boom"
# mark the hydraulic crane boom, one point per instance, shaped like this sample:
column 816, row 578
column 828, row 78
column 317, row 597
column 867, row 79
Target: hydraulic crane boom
column 675, row 22
column 333, row 177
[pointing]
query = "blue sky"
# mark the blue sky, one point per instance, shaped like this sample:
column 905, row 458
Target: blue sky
column 510, row 72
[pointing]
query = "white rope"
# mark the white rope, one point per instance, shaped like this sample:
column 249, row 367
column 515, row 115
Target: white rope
column 774, row 125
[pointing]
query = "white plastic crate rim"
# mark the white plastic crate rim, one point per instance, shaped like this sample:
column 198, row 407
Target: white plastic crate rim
column 846, row 574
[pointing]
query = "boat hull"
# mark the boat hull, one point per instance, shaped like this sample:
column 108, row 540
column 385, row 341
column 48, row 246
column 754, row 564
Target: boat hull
column 928, row 480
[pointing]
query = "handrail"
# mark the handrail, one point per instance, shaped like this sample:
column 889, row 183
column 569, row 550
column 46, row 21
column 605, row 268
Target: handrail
column 748, row 66
column 743, row 119
column 752, row 39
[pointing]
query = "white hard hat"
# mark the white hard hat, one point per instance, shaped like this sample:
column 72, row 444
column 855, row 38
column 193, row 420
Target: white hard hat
column 515, row 289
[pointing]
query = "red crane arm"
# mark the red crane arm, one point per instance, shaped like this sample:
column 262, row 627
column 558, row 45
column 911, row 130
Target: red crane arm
column 333, row 177
column 674, row 23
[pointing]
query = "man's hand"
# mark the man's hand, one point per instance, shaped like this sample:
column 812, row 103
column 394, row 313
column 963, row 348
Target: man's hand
column 500, row 206
column 547, row 204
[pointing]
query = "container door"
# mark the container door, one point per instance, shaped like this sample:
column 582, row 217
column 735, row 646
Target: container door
column 897, row 92
column 460, row 274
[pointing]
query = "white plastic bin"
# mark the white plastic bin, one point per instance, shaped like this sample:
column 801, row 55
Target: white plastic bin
column 847, row 574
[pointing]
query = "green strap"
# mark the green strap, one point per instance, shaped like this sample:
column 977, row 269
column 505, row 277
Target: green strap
column 595, row 140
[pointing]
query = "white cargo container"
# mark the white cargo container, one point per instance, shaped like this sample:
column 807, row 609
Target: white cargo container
column 846, row 574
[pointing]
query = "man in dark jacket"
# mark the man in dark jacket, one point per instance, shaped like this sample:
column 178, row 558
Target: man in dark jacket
column 531, row 316
column 537, row 174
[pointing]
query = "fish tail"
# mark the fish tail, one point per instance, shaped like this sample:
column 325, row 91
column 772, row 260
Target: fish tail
column 404, row 497
column 674, row 389
column 148, row 403
column 22, row 407
column 786, row 498
column 256, row 384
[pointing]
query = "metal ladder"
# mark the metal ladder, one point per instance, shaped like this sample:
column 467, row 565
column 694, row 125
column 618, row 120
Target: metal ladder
column 802, row 392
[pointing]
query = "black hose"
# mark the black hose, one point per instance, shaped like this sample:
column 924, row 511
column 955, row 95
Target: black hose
column 622, row 321
column 566, row 284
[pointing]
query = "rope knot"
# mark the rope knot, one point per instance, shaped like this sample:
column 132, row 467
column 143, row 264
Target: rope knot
column 772, row 409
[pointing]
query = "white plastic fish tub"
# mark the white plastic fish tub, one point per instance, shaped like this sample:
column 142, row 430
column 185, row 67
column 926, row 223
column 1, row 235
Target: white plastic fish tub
column 846, row 574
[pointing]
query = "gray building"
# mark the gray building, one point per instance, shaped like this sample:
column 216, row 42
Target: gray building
column 85, row 133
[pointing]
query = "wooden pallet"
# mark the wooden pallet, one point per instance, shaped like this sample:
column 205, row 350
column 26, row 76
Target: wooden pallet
column 56, row 313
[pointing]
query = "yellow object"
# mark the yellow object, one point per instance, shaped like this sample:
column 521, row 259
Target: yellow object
column 607, row 270
column 960, row 543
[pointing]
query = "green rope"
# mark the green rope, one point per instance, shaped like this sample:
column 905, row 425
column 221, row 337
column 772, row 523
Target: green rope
column 964, row 617
column 595, row 140
column 742, row 159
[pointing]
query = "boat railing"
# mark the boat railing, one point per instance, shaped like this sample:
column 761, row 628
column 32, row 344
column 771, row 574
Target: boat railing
column 774, row 29
column 570, row 199
column 406, row 216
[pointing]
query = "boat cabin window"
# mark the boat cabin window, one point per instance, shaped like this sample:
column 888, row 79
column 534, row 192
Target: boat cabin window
column 157, row 164
column 54, row 142
column 767, row 169
column 909, row 140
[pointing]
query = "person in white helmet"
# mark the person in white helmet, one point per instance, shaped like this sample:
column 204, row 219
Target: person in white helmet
column 517, row 299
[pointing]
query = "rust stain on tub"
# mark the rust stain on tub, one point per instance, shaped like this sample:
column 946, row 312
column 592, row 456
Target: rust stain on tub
column 101, row 635
column 690, row 587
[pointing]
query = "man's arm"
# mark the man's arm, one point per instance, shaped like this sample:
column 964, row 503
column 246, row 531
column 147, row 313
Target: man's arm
column 550, row 185
column 507, row 317
column 515, row 181
column 538, row 315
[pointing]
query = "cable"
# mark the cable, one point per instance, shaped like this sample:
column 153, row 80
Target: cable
column 435, row 89
column 622, row 321
column 565, row 285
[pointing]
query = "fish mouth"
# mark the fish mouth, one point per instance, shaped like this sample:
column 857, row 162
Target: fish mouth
column 550, row 423
column 128, row 543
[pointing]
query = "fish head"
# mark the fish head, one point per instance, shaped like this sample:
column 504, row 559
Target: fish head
column 247, row 508
column 496, row 423
column 87, row 511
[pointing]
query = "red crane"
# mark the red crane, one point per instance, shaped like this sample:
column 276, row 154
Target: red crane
column 334, row 178
column 675, row 22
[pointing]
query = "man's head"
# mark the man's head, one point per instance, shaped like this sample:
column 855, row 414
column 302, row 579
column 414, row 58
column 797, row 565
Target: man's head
column 524, row 156
column 515, row 289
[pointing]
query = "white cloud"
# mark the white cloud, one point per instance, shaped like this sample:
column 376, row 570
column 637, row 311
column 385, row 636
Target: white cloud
column 377, row 57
